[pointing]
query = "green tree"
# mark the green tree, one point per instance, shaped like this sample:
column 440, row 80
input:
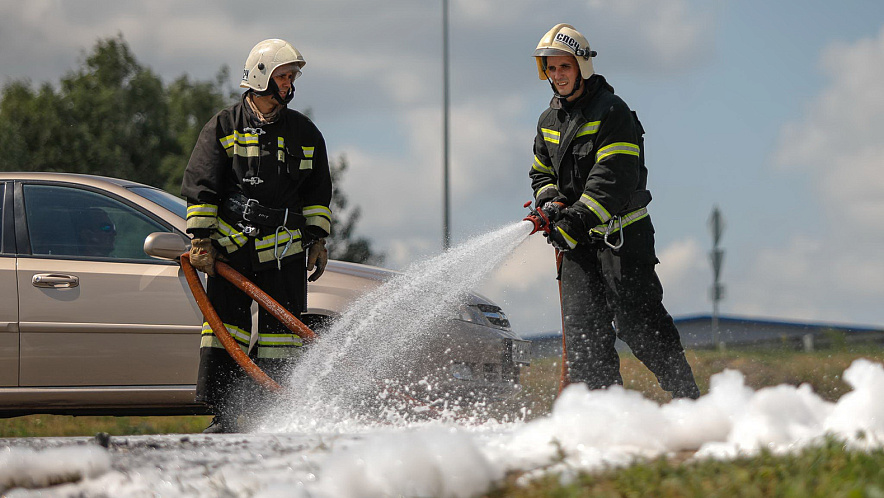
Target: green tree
column 191, row 105
column 110, row 117
column 114, row 117
column 344, row 244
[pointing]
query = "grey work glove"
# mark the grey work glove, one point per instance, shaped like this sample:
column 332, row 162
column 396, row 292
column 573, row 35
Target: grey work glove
column 317, row 256
column 203, row 255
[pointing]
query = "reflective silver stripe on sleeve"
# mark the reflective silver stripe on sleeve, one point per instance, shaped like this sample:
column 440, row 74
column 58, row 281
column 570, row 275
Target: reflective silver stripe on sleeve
column 551, row 136
column 539, row 166
column 594, row 206
column 319, row 216
column 543, row 189
column 617, row 148
column 588, row 129
column 202, row 216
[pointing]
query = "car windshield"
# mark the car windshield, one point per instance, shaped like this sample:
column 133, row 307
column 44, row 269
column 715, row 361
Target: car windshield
column 163, row 198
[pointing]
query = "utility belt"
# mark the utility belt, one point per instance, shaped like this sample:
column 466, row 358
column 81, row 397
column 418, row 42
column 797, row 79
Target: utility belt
column 636, row 209
column 253, row 218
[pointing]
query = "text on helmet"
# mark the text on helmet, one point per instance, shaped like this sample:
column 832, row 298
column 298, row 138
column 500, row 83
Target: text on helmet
column 567, row 40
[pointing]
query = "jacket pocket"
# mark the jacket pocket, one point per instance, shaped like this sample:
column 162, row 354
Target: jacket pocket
column 293, row 158
column 583, row 150
column 305, row 155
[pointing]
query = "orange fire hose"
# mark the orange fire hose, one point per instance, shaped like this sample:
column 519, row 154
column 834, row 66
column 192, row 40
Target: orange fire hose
column 214, row 321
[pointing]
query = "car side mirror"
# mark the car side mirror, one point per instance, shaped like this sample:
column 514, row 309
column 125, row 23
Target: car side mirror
column 165, row 245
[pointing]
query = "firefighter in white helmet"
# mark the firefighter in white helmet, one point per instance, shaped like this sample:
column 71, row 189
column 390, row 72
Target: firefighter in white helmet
column 258, row 189
column 589, row 176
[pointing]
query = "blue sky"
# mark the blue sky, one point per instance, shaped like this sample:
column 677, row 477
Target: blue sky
column 773, row 111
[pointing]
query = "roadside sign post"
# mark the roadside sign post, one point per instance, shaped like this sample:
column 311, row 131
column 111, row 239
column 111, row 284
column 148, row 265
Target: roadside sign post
column 716, row 256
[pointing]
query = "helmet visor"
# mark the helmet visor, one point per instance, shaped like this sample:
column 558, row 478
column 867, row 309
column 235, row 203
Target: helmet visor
column 550, row 52
column 292, row 67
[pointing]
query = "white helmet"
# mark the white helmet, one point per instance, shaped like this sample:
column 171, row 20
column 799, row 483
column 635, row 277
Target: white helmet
column 264, row 58
column 563, row 39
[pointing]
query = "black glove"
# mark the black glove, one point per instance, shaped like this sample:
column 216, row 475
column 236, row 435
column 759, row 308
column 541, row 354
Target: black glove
column 568, row 231
column 553, row 210
column 549, row 195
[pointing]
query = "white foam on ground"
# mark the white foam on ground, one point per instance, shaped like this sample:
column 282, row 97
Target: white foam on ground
column 586, row 431
column 27, row 468
column 312, row 446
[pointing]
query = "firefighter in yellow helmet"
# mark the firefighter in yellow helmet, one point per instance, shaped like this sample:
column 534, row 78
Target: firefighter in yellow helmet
column 258, row 189
column 589, row 176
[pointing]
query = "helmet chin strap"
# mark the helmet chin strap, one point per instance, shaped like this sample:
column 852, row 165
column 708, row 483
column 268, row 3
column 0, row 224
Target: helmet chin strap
column 577, row 87
column 273, row 89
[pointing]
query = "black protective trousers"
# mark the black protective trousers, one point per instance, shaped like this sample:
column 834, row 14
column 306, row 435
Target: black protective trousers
column 223, row 384
column 605, row 296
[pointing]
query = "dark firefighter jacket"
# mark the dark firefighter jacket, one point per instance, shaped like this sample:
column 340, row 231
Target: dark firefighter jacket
column 590, row 154
column 280, row 165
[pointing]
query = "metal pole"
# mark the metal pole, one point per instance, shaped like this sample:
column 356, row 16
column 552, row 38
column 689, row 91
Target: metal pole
column 446, row 210
column 716, row 226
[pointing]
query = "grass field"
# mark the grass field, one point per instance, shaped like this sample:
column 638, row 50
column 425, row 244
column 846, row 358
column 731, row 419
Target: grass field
column 828, row 471
column 761, row 368
column 825, row 472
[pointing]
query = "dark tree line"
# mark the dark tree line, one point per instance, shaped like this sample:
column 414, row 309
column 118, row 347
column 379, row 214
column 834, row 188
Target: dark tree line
column 114, row 117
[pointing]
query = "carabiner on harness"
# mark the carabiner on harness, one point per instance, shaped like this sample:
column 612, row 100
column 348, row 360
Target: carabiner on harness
column 282, row 228
column 610, row 229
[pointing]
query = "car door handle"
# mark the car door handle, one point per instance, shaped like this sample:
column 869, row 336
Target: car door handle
column 55, row 280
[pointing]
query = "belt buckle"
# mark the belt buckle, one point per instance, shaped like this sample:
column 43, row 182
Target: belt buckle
column 247, row 209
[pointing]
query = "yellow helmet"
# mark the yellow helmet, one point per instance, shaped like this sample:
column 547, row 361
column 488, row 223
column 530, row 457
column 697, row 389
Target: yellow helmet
column 563, row 39
column 264, row 58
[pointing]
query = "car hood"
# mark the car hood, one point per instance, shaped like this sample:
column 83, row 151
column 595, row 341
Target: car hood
column 381, row 275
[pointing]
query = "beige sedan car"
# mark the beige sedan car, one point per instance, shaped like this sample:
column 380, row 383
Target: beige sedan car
column 94, row 321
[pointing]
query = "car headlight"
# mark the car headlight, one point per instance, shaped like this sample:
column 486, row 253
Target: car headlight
column 494, row 315
column 484, row 314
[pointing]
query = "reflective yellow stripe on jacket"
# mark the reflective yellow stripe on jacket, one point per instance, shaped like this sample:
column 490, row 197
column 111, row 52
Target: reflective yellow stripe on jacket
column 209, row 340
column 542, row 189
column 202, row 216
column 278, row 245
column 625, row 221
column 617, row 148
column 241, row 144
column 307, row 162
column 229, row 237
column 539, row 166
column 278, row 345
column 551, row 136
column 319, row 216
column 588, row 129
column 596, row 207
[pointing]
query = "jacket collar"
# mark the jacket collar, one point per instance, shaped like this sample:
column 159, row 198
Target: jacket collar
column 592, row 86
column 255, row 116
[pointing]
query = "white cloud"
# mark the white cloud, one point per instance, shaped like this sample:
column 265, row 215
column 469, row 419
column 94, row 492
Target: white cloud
column 670, row 35
column 812, row 278
column 836, row 272
column 840, row 142
column 686, row 276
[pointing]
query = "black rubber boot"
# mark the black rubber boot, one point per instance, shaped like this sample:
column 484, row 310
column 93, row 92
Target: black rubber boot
column 220, row 425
